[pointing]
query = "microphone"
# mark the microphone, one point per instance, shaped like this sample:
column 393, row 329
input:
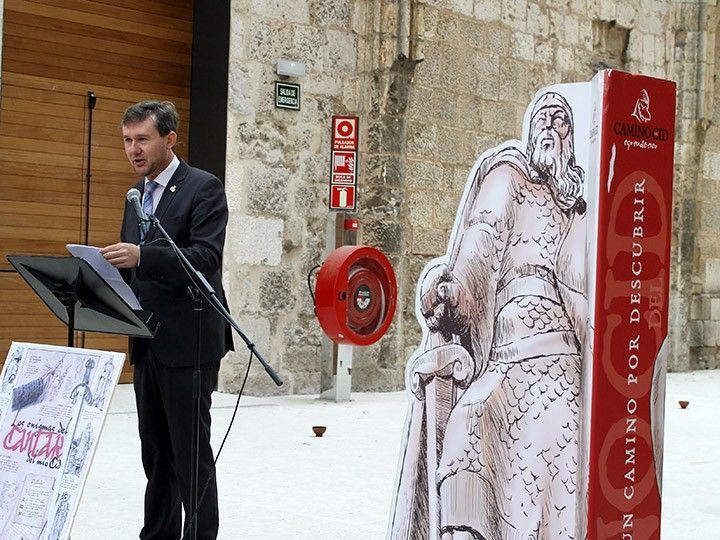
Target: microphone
column 133, row 196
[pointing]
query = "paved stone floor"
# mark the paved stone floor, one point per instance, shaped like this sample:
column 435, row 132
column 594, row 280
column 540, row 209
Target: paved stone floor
column 278, row 481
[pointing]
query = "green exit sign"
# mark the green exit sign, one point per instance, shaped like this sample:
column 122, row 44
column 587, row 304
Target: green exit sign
column 287, row 95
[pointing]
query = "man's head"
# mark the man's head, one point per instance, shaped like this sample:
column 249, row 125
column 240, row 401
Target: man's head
column 149, row 134
column 550, row 149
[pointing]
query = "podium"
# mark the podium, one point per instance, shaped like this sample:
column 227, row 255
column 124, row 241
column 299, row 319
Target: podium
column 80, row 298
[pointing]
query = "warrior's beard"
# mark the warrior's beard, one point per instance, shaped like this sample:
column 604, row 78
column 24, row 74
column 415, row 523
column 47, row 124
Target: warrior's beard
column 562, row 175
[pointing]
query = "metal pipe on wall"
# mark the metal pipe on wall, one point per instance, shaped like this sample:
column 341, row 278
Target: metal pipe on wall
column 403, row 34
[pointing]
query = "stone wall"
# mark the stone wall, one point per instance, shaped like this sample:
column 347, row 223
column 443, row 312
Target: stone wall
column 698, row 187
column 276, row 167
column 435, row 83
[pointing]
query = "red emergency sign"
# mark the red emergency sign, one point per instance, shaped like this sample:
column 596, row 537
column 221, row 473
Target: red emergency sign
column 343, row 164
column 342, row 197
column 345, row 133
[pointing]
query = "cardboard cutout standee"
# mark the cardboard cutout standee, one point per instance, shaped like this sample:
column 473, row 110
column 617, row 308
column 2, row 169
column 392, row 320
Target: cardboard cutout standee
column 504, row 425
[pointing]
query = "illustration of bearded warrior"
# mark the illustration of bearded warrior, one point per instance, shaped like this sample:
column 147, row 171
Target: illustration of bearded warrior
column 492, row 448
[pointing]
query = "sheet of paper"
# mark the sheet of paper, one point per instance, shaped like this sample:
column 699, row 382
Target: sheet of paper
column 107, row 271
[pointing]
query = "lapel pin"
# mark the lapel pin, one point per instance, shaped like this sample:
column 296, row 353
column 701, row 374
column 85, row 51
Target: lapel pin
column 172, row 189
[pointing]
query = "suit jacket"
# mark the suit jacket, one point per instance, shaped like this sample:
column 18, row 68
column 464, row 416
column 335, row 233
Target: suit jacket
column 193, row 210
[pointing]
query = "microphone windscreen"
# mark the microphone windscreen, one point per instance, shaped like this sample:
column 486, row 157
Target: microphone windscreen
column 133, row 193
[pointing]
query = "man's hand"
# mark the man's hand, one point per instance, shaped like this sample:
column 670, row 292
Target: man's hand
column 122, row 255
column 441, row 298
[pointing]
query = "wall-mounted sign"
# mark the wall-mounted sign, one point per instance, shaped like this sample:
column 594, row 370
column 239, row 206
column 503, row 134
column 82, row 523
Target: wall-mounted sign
column 345, row 133
column 343, row 167
column 343, row 163
column 342, row 197
column 287, row 95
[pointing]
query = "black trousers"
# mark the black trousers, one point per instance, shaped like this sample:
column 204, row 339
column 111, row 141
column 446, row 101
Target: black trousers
column 164, row 397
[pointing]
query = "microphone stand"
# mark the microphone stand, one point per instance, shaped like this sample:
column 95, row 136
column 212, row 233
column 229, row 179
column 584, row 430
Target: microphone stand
column 199, row 288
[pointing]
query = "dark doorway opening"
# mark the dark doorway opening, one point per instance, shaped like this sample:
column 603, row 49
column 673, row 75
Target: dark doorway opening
column 209, row 86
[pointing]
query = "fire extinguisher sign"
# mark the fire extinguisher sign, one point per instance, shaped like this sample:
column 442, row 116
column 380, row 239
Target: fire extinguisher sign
column 343, row 164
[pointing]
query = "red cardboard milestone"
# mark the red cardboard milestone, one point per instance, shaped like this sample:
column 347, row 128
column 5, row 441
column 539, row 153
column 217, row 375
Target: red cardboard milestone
column 632, row 144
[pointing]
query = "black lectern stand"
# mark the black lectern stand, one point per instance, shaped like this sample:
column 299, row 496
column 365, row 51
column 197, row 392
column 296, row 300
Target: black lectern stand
column 80, row 298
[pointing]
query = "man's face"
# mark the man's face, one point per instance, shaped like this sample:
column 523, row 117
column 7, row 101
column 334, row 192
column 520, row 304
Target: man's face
column 149, row 152
column 549, row 130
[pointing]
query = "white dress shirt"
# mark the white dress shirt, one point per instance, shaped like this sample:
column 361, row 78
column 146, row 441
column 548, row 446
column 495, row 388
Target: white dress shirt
column 162, row 179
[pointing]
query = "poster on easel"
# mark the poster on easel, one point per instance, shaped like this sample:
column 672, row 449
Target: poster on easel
column 53, row 403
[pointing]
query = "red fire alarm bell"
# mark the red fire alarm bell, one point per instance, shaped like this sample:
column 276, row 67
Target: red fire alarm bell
column 355, row 295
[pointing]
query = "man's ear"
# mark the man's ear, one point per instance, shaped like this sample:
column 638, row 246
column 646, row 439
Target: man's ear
column 171, row 140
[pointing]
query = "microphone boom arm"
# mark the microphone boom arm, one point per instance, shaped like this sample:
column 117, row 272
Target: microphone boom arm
column 202, row 284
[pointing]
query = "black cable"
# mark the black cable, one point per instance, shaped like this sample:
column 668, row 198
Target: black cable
column 237, row 404
column 217, row 456
column 312, row 294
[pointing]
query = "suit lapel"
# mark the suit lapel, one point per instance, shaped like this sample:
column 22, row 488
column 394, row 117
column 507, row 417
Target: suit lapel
column 173, row 187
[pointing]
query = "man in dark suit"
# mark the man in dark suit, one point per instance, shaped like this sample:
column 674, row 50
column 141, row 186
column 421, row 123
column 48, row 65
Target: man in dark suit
column 191, row 206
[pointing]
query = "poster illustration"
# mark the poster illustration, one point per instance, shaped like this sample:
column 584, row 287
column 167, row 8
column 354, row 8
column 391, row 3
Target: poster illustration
column 505, row 432
column 53, row 402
